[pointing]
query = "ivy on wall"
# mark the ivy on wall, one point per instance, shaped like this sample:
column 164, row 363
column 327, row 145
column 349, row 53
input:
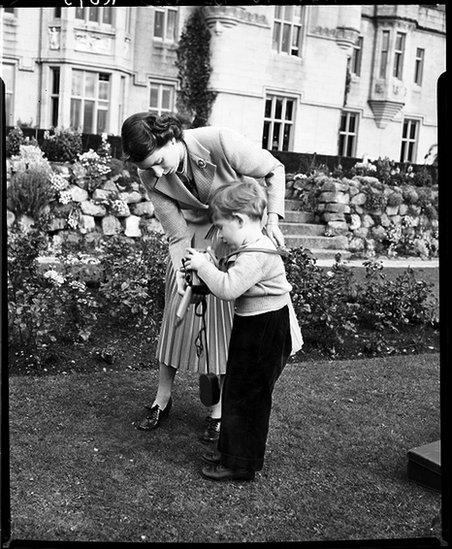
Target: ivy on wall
column 193, row 64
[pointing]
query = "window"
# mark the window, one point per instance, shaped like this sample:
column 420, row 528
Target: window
column 128, row 20
column 287, row 29
column 357, row 57
column 410, row 133
column 101, row 16
column 278, row 123
column 90, row 101
column 122, row 95
column 161, row 98
column 348, row 134
column 57, row 13
column 165, row 24
column 54, row 95
column 384, row 53
column 8, row 10
column 398, row 55
column 7, row 75
column 419, row 66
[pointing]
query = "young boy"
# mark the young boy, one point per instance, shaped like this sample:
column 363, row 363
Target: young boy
column 261, row 339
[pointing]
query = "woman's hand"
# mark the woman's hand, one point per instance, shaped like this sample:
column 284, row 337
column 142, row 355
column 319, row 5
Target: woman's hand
column 194, row 259
column 273, row 231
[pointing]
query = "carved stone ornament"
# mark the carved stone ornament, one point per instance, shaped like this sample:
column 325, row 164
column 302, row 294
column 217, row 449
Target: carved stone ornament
column 346, row 37
column 54, row 38
column 219, row 18
column 85, row 41
column 324, row 31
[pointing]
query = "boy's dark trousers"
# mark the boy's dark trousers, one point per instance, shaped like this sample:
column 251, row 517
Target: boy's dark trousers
column 258, row 351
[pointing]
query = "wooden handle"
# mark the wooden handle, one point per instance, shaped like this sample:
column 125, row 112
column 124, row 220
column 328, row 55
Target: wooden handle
column 186, row 299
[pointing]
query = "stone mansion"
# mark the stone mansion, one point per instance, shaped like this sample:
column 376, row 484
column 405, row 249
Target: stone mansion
column 349, row 80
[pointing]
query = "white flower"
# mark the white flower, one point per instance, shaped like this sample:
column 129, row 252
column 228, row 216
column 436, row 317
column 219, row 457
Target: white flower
column 65, row 197
column 330, row 273
column 58, row 182
column 77, row 285
column 55, row 276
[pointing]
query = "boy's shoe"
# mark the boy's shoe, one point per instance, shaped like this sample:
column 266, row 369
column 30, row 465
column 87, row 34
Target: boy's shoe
column 154, row 417
column 212, row 431
column 222, row 473
column 212, row 457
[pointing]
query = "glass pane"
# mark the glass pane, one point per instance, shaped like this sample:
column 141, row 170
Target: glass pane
column 286, row 137
column 402, row 152
column 88, row 114
column 79, row 13
column 104, row 88
column 295, row 36
column 158, row 24
column 276, row 36
column 341, row 144
column 384, row 60
column 75, row 113
column 289, row 109
column 166, row 97
column 278, row 12
column 55, row 71
column 107, row 16
column 54, row 121
column 398, row 45
column 101, row 121
column 413, row 130
column 298, row 12
column 9, row 108
column 265, row 135
column 350, row 145
column 90, row 83
column 351, row 123
column 278, row 109
column 57, row 13
column 275, row 142
column 410, row 155
column 93, row 14
column 286, row 38
column 154, row 97
column 77, row 83
column 268, row 108
column 343, row 125
column 171, row 25
column 385, row 42
column 288, row 11
column 405, row 130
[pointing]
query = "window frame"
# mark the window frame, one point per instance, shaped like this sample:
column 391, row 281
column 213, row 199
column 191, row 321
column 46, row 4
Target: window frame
column 407, row 140
column 399, row 55
column 160, row 84
column 357, row 57
column 384, row 53
column 54, row 95
column 99, row 104
column 9, row 117
column 272, row 120
column 282, row 22
column 419, row 66
column 165, row 10
column 348, row 134
column 100, row 16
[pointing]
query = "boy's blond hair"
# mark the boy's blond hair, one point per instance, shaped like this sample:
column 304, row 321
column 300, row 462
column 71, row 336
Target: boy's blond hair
column 239, row 197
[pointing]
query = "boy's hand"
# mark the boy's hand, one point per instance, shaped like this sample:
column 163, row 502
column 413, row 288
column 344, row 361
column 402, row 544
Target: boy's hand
column 194, row 259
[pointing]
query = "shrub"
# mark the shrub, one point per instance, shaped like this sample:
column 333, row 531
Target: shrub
column 423, row 178
column 29, row 156
column 375, row 200
column 133, row 289
column 410, row 195
column 62, row 145
column 395, row 199
column 29, row 192
column 14, row 140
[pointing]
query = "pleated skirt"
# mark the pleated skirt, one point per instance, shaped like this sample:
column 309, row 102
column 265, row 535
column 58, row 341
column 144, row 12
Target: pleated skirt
column 176, row 345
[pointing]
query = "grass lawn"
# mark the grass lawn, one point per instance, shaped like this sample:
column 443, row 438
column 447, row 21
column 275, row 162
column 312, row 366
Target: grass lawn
column 335, row 465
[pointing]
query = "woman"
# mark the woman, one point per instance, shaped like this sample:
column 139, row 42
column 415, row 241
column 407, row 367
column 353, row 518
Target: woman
column 180, row 170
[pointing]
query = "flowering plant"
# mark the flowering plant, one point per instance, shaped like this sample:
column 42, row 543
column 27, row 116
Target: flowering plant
column 90, row 171
column 29, row 156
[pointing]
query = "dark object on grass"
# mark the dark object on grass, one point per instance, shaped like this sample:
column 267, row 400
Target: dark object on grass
column 104, row 355
column 209, row 389
column 424, row 465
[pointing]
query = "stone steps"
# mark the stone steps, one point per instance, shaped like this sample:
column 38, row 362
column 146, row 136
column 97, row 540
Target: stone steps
column 296, row 216
column 302, row 229
column 317, row 242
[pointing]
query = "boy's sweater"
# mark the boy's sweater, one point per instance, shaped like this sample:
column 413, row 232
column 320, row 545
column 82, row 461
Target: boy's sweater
column 256, row 280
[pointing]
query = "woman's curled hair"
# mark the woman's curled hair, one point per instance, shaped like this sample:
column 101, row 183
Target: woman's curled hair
column 143, row 132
